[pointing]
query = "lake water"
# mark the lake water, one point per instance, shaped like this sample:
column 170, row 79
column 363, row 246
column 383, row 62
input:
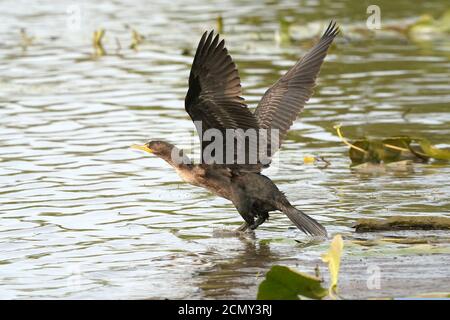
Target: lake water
column 84, row 216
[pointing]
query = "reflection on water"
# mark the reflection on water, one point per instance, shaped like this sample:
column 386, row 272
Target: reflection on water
column 236, row 275
column 83, row 216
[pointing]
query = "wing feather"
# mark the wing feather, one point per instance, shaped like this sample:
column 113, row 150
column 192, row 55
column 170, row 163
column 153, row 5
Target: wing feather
column 282, row 103
column 214, row 95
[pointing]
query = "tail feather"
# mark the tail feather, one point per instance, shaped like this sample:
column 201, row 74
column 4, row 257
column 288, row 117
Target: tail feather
column 304, row 222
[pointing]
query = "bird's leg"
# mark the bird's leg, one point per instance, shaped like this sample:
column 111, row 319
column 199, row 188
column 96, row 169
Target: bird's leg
column 243, row 206
column 261, row 217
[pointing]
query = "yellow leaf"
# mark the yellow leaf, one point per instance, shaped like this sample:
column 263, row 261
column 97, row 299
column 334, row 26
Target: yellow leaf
column 219, row 23
column 333, row 258
column 308, row 159
column 97, row 42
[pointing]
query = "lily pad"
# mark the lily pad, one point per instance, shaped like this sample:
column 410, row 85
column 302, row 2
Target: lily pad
column 284, row 283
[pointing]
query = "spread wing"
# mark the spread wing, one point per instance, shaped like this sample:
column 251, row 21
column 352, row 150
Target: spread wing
column 281, row 103
column 213, row 100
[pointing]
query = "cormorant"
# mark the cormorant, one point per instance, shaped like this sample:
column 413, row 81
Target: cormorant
column 214, row 101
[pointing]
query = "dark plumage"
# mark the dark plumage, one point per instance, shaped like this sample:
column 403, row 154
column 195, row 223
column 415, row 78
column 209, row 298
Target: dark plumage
column 214, row 101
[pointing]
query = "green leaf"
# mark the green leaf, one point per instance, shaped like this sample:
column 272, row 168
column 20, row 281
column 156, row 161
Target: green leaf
column 333, row 258
column 356, row 155
column 283, row 283
column 392, row 150
column 433, row 152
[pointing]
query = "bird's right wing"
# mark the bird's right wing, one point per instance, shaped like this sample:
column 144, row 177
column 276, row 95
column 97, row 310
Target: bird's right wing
column 281, row 104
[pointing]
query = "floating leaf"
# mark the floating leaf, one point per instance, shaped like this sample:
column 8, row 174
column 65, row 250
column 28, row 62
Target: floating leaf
column 433, row 152
column 333, row 258
column 392, row 150
column 309, row 159
column 283, row 283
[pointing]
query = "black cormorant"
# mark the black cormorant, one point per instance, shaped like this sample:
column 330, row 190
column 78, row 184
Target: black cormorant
column 214, row 101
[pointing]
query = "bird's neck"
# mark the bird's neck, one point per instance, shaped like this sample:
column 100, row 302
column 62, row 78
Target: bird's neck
column 177, row 159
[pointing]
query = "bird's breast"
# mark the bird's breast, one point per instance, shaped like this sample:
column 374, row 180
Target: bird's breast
column 217, row 184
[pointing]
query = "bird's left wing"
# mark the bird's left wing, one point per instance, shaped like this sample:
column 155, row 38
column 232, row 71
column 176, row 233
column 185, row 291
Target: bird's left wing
column 214, row 95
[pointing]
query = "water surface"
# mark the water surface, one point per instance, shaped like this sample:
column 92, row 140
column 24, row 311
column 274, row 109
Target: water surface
column 84, row 216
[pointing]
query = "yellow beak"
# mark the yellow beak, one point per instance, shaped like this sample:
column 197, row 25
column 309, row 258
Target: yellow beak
column 142, row 147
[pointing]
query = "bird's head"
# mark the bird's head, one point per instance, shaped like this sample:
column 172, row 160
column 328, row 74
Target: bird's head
column 165, row 151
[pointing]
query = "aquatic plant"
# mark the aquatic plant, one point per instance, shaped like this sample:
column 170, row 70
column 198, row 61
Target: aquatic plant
column 284, row 283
